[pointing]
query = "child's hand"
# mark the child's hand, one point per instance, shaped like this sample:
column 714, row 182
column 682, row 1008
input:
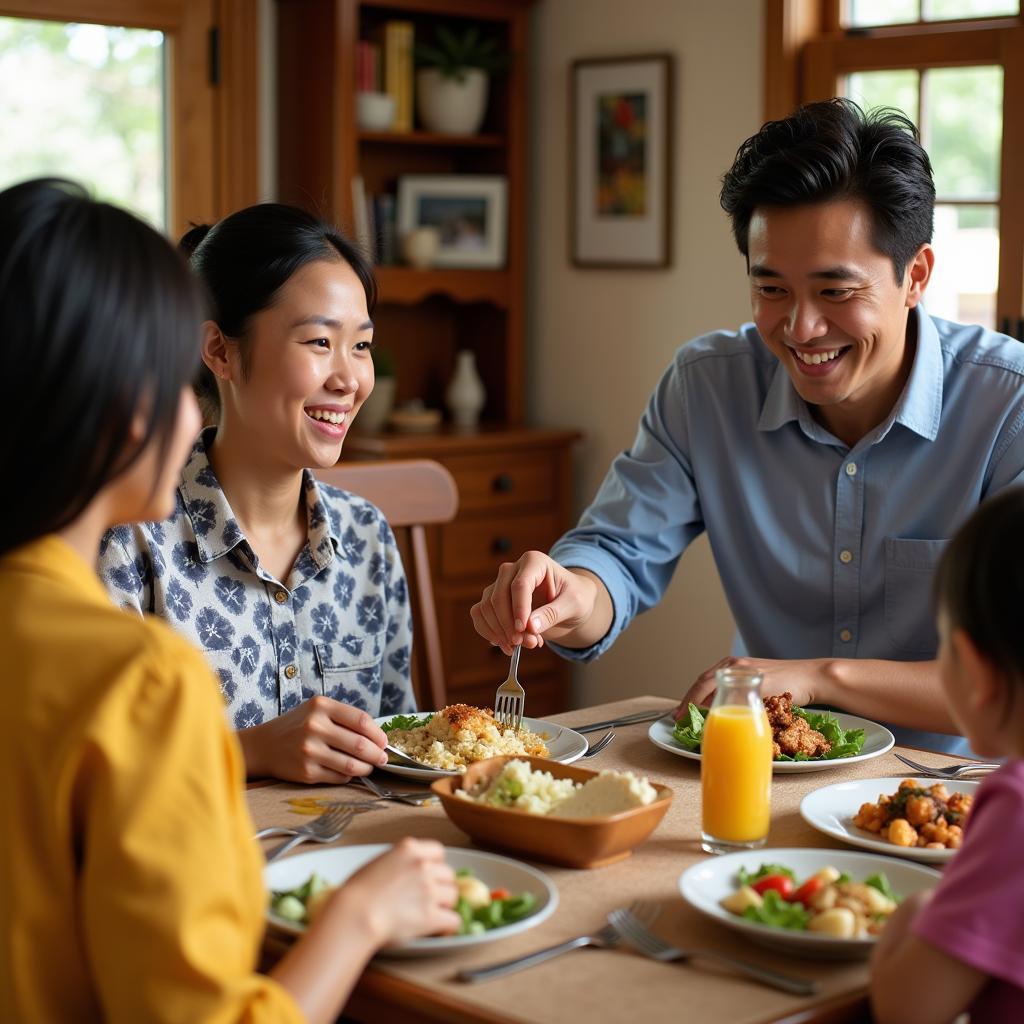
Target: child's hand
column 898, row 925
column 407, row 892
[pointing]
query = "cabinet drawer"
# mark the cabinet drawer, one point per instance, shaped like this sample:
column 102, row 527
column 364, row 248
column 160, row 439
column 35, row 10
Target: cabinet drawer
column 503, row 479
column 479, row 546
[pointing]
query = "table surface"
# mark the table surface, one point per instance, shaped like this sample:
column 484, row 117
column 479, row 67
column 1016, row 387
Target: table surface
column 596, row 985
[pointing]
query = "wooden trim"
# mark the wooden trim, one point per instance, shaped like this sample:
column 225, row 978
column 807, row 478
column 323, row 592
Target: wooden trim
column 788, row 26
column 164, row 15
column 874, row 53
column 238, row 117
column 1010, row 293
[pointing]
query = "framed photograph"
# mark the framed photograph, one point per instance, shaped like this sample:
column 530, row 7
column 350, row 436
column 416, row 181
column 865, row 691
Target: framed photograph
column 470, row 213
column 620, row 185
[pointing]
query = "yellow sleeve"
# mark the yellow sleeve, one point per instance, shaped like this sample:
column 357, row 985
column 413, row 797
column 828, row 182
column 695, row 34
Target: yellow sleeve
column 172, row 900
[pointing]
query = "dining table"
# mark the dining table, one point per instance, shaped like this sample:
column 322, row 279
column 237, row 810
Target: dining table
column 595, row 985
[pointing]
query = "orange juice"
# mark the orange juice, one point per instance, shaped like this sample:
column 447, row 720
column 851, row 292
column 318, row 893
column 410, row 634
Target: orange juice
column 736, row 774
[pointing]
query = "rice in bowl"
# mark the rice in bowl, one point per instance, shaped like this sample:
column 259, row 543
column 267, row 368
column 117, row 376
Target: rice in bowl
column 459, row 734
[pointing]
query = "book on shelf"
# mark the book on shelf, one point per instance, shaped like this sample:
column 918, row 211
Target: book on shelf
column 385, row 229
column 398, row 72
column 368, row 66
column 360, row 219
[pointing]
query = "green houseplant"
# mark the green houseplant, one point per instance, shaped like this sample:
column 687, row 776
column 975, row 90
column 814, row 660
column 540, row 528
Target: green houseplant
column 453, row 78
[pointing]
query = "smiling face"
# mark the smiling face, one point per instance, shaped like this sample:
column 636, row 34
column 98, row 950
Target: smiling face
column 309, row 368
column 827, row 304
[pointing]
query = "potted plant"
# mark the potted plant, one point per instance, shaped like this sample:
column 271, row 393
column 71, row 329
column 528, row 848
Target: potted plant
column 452, row 80
column 374, row 413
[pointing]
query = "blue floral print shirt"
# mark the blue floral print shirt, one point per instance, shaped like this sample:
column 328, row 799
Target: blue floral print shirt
column 339, row 625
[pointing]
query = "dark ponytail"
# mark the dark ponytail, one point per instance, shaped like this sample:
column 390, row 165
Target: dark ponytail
column 245, row 259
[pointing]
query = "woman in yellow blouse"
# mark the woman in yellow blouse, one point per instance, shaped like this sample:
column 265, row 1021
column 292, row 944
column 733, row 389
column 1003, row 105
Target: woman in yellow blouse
column 130, row 885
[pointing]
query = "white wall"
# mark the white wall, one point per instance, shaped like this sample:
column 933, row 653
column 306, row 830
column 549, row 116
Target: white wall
column 598, row 340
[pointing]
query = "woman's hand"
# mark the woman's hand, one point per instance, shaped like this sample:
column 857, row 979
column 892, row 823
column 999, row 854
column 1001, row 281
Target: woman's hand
column 535, row 596
column 321, row 740
column 405, row 893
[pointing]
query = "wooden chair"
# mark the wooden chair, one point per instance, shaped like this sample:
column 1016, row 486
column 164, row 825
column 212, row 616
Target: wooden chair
column 412, row 494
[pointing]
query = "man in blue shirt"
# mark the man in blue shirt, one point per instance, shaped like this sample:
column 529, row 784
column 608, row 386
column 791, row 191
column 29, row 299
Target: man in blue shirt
column 830, row 448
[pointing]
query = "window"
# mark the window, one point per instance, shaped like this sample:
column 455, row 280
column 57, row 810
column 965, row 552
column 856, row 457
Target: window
column 956, row 67
column 150, row 103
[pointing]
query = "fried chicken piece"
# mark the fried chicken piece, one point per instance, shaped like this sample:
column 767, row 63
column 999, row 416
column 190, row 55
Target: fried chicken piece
column 779, row 710
column 792, row 735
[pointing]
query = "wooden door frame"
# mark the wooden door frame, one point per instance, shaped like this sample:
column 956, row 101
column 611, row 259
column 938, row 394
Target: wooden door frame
column 214, row 155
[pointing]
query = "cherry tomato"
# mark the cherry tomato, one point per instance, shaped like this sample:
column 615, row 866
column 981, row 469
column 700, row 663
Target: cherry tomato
column 500, row 894
column 782, row 884
column 808, row 889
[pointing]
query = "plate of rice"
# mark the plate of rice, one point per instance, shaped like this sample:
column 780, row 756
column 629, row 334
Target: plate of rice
column 452, row 739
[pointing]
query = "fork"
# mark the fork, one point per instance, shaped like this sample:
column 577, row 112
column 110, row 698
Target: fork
column 953, row 771
column 413, row 799
column 596, row 748
column 634, row 933
column 324, row 829
column 510, row 698
column 603, row 938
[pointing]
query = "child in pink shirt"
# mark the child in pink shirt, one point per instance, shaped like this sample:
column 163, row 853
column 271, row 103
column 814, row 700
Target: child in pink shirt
column 961, row 947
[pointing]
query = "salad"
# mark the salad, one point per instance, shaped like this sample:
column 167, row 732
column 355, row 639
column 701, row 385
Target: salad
column 480, row 909
column 837, row 742
column 829, row 902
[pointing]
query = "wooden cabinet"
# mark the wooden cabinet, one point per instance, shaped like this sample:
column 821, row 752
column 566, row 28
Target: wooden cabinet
column 513, row 495
column 423, row 317
column 513, row 481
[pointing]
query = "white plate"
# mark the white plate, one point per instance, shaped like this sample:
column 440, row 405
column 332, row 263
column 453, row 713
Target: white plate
column 877, row 741
column 563, row 745
column 711, row 880
column 831, row 810
column 336, row 863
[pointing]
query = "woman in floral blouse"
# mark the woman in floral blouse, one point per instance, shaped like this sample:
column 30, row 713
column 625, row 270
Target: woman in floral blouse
column 294, row 590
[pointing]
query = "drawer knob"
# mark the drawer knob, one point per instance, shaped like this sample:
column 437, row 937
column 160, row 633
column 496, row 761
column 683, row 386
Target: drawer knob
column 501, row 545
column 503, row 483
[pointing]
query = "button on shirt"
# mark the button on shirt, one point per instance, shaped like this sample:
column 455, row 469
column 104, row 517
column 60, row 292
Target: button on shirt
column 822, row 549
column 339, row 625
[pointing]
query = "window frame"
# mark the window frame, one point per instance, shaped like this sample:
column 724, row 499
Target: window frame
column 214, row 127
column 807, row 52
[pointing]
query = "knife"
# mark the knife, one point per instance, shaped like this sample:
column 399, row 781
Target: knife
column 634, row 719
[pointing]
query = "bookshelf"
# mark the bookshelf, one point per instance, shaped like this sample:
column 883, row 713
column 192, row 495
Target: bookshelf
column 516, row 478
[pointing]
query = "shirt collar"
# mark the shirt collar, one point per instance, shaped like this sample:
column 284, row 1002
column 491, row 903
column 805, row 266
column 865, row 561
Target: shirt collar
column 918, row 408
column 214, row 525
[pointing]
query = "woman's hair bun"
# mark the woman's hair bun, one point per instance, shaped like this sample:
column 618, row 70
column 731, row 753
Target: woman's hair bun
column 191, row 239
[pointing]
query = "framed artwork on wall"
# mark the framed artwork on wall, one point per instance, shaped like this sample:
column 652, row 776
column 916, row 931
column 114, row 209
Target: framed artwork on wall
column 620, row 184
column 469, row 211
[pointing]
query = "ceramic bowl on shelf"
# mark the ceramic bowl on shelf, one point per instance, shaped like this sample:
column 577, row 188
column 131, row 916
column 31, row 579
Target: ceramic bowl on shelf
column 375, row 111
column 415, row 421
column 569, row 842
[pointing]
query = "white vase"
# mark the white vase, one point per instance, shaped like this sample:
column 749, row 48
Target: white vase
column 448, row 105
column 374, row 412
column 465, row 395
column 421, row 245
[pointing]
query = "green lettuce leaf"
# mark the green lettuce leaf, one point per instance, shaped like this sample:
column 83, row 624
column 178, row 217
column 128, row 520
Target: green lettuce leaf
column 406, row 722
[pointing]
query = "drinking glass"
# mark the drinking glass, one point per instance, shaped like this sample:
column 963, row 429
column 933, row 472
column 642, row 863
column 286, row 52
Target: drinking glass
column 736, row 765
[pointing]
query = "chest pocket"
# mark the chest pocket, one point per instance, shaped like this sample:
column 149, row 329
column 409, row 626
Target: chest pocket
column 351, row 671
column 909, row 614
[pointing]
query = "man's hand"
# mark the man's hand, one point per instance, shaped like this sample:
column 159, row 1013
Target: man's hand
column 322, row 740
column 532, row 597
column 803, row 679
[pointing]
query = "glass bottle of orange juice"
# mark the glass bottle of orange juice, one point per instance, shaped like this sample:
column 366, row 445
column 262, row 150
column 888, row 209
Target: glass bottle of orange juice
column 736, row 765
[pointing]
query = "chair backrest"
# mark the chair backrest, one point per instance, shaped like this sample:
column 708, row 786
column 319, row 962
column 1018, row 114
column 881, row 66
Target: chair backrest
column 412, row 494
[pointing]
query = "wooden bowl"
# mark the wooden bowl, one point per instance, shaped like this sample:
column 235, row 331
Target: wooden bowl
column 570, row 842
